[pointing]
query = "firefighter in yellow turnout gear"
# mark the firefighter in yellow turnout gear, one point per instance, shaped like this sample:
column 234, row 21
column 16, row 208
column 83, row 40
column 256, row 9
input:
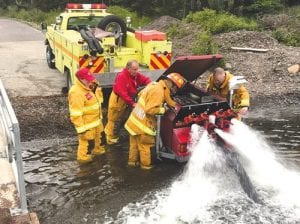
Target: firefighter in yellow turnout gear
column 85, row 99
column 218, row 84
column 141, row 123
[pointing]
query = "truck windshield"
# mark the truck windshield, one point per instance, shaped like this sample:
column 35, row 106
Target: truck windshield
column 76, row 23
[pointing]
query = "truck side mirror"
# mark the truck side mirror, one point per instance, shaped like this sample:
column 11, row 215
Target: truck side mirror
column 128, row 21
column 44, row 26
column 58, row 20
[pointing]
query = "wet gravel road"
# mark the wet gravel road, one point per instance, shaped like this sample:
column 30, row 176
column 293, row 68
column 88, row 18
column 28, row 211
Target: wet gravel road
column 61, row 191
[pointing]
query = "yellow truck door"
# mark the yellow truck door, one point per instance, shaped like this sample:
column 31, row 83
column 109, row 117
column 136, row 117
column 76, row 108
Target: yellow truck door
column 58, row 51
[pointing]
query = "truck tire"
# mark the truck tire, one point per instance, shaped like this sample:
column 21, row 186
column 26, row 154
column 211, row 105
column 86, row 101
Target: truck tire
column 50, row 57
column 115, row 25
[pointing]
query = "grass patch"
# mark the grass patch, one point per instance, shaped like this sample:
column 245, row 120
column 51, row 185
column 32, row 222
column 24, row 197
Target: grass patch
column 290, row 38
column 32, row 15
column 285, row 27
column 204, row 44
column 175, row 31
column 214, row 22
column 293, row 11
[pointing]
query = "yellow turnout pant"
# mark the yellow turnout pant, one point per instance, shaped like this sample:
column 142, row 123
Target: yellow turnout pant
column 84, row 143
column 139, row 149
column 117, row 110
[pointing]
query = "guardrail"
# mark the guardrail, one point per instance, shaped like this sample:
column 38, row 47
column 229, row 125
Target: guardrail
column 14, row 153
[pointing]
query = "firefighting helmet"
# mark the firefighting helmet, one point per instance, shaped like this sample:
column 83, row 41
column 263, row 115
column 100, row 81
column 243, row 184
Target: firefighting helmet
column 177, row 79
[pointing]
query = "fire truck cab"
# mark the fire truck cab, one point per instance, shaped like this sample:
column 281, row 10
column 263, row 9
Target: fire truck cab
column 86, row 35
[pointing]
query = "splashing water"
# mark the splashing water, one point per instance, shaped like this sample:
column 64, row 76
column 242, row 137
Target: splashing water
column 263, row 167
column 209, row 192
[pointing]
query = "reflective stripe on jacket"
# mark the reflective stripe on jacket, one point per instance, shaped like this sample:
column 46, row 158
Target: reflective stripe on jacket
column 85, row 107
column 240, row 97
column 125, row 85
column 142, row 119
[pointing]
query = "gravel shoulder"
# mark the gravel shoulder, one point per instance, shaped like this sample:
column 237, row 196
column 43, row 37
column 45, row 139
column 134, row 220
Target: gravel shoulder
column 269, row 80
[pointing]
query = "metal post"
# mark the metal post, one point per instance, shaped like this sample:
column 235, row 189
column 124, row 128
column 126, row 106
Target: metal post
column 230, row 98
column 14, row 133
column 157, row 142
column 111, row 64
column 19, row 162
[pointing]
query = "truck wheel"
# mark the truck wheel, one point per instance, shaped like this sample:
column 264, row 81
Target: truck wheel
column 50, row 57
column 69, row 80
column 115, row 25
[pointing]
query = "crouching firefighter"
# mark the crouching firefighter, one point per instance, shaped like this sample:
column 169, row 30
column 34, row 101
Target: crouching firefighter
column 85, row 99
column 141, row 123
column 219, row 84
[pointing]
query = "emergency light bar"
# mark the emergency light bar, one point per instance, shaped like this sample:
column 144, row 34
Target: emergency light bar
column 86, row 6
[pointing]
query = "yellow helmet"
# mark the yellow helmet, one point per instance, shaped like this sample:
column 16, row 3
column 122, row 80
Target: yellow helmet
column 177, row 79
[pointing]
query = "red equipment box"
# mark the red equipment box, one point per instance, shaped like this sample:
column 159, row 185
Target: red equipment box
column 150, row 35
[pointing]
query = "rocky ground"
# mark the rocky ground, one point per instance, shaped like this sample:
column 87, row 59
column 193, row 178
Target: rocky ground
column 43, row 117
column 270, row 82
column 267, row 73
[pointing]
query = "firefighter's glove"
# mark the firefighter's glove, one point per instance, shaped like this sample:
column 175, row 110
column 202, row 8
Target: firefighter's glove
column 93, row 86
column 174, row 109
column 162, row 109
column 243, row 111
column 166, row 108
column 177, row 108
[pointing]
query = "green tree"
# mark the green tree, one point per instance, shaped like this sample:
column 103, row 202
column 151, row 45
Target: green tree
column 263, row 6
column 204, row 44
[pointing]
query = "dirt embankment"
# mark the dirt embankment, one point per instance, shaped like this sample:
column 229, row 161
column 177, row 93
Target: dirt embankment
column 267, row 73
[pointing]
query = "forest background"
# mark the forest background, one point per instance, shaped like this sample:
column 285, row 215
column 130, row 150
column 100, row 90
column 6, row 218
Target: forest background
column 280, row 17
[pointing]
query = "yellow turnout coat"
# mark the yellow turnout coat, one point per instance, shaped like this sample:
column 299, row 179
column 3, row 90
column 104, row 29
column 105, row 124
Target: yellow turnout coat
column 240, row 97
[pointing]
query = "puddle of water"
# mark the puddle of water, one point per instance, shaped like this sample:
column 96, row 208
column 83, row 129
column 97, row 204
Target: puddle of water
column 107, row 191
column 60, row 189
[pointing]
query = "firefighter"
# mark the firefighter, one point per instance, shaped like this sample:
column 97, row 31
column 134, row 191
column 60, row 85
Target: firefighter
column 85, row 98
column 218, row 84
column 122, row 99
column 141, row 123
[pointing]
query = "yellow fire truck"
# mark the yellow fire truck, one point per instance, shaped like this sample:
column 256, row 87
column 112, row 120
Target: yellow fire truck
column 85, row 35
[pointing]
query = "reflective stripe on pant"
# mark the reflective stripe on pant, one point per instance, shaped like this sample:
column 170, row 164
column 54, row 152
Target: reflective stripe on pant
column 94, row 135
column 83, row 144
column 139, row 149
column 115, row 113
